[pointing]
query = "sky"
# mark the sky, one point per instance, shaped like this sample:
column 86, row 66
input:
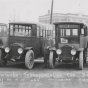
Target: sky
column 30, row 10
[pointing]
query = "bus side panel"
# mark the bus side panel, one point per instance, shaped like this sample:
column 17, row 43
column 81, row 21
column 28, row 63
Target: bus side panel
column 38, row 47
column 4, row 40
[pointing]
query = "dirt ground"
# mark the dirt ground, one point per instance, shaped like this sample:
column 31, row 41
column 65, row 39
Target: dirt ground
column 15, row 75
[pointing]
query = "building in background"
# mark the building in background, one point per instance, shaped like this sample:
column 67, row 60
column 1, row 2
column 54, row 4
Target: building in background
column 60, row 17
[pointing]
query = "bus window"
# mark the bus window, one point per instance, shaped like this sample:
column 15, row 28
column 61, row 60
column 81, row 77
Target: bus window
column 68, row 32
column 20, row 32
column 11, row 29
column 26, row 33
column 23, row 32
column 41, row 32
column 37, row 31
column 30, row 33
column 48, row 32
column 74, row 32
column 16, row 32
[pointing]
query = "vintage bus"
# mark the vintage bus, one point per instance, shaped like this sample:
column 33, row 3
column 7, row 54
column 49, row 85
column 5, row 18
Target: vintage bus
column 71, row 43
column 26, row 42
column 3, row 38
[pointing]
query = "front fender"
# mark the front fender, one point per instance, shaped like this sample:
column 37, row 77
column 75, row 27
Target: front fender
column 48, row 49
column 52, row 48
column 81, row 49
column 2, row 46
column 29, row 48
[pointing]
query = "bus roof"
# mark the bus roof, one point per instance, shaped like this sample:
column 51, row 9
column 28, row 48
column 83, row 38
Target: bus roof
column 3, row 24
column 70, row 23
column 37, row 23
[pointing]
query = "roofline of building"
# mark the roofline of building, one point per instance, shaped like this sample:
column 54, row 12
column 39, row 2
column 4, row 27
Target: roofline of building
column 77, row 14
column 71, row 23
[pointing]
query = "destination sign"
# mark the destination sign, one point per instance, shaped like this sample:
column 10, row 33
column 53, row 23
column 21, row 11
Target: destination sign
column 68, row 26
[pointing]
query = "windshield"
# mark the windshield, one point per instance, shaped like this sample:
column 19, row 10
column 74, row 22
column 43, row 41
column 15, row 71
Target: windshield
column 20, row 30
column 68, row 32
column 69, row 36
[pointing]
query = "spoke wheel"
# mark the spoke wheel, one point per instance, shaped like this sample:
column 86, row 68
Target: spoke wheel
column 29, row 59
column 81, row 60
column 51, row 60
column 2, row 61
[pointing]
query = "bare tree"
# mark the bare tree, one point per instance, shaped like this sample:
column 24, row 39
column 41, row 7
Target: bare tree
column 14, row 16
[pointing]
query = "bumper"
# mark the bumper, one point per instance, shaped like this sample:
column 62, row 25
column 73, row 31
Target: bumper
column 66, row 58
column 13, row 58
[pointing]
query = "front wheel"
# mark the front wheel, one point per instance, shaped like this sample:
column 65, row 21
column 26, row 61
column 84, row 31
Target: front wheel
column 81, row 60
column 2, row 61
column 51, row 60
column 29, row 59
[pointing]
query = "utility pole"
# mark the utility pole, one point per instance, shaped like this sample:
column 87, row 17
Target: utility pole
column 51, row 12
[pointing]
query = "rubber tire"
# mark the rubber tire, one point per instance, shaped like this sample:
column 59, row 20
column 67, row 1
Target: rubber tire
column 46, row 62
column 51, row 60
column 81, row 60
column 27, row 59
column 84, row 58
column 2, row 61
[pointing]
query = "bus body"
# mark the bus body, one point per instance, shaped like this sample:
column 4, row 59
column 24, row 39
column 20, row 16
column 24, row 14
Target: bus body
column 26, row 41
column 3, row 41
column 71, row 42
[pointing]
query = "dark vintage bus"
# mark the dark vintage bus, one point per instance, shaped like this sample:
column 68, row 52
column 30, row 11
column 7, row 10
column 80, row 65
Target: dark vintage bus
column 26, row 42
column 71, row 43
column 3, row 39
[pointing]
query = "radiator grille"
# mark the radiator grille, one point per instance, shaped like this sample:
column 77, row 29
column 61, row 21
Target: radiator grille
column 14, row 50
column 66, row 51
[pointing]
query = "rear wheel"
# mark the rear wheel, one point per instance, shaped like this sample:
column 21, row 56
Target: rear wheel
column 2, row 61
column 51, row 60
column 81, row 60
column 29, row 59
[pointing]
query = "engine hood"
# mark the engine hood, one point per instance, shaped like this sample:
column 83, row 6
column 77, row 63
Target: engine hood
column 73, row 46
column 18, row 44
